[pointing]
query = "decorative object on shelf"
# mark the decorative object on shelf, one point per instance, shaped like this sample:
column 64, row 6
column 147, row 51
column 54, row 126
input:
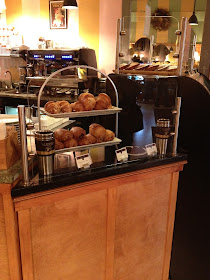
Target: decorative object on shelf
column 70, row 4
column 161, row 19
column 193, row 19
column 57, row 15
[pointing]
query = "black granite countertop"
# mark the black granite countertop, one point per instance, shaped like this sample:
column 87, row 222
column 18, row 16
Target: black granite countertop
column 66, row 177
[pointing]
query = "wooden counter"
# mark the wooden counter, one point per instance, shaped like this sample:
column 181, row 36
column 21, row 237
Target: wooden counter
column 116, row 228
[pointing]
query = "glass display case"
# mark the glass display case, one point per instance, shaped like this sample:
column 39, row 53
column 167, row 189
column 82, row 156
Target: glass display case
column 154, row 45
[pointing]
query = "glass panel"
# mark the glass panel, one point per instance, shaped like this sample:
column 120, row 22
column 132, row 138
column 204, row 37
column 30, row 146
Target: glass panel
column 145, row 43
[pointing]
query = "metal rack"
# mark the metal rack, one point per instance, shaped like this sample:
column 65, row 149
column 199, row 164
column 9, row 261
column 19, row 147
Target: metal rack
column 85, row 113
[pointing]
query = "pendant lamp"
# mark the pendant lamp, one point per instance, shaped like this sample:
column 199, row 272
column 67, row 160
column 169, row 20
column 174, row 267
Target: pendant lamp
column 2, row 5
column 193, row 19
column 70, row 4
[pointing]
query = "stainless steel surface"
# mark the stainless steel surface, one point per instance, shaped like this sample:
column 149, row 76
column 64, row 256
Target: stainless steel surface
column 182, row 45
column 161, row 144
column 67, row 81
column 178, row 107
column 45, row 151
column 123, row 32
column 44, row 135
column 163, row 122
column 5, row 74
column 119, row 23
column 23, row 141
column 162, row 136
column 46, row 164
column 22, row 74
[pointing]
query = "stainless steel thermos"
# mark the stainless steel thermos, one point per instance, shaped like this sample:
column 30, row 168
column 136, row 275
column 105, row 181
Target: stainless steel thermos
column 162, row 135
column 45, row 148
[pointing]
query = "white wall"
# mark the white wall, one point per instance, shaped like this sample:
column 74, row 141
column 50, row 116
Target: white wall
column 110, row 11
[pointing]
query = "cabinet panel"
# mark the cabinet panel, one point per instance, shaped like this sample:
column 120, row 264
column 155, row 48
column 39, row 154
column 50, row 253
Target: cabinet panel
column 141, row 228
column 4, row 266
column 69, row 238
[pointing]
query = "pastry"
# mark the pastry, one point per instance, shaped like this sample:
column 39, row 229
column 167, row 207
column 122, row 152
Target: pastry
column 58, row 145
column 91, row 138
column 66, row 108
column 98, row 131
column 109, row 136
column 103, row 101
column 78, row 132
column 83, row 141
column 52, row 107
column 70, row 143
column 77, row 107
column 89, row 103
column 85, row 95
column 47, row 104
column 63, row 135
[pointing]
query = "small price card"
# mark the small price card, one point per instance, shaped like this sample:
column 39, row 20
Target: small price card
column 122, row 154
column 151, row 149
column 83, row 161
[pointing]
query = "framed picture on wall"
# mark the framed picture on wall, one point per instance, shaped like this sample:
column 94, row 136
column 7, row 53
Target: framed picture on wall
column 57, row 15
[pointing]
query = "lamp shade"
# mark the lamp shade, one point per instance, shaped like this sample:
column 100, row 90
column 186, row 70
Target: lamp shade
column 193, row 19
column 2, row 5
column 70, row 4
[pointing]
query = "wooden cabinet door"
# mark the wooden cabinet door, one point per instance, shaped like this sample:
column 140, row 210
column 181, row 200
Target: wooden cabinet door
column 143, row 232
column 65, row 239
column 116, row 228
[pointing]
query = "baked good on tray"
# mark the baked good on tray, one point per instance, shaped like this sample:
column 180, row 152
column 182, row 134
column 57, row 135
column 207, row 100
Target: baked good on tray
column 86, row 102
column 63, row 135
column 52, row 107
column 103, row 101
column 78, row 132
column 77, row 136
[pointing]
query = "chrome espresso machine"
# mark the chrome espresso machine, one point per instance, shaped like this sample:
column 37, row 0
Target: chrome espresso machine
column 43, row 62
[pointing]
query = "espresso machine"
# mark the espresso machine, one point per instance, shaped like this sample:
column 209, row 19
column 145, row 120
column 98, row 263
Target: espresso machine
column 41, row 63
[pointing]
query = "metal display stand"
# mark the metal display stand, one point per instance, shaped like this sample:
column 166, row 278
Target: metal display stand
column 71, row 115
column 22, row 122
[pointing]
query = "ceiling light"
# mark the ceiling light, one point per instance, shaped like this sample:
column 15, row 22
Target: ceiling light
column 2, row 5
column 193, row 19
column 70, row 4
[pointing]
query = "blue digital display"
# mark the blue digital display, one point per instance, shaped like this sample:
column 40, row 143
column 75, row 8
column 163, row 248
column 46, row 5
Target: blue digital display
column 67, row 56
column 49, row 56
column 37, row 55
